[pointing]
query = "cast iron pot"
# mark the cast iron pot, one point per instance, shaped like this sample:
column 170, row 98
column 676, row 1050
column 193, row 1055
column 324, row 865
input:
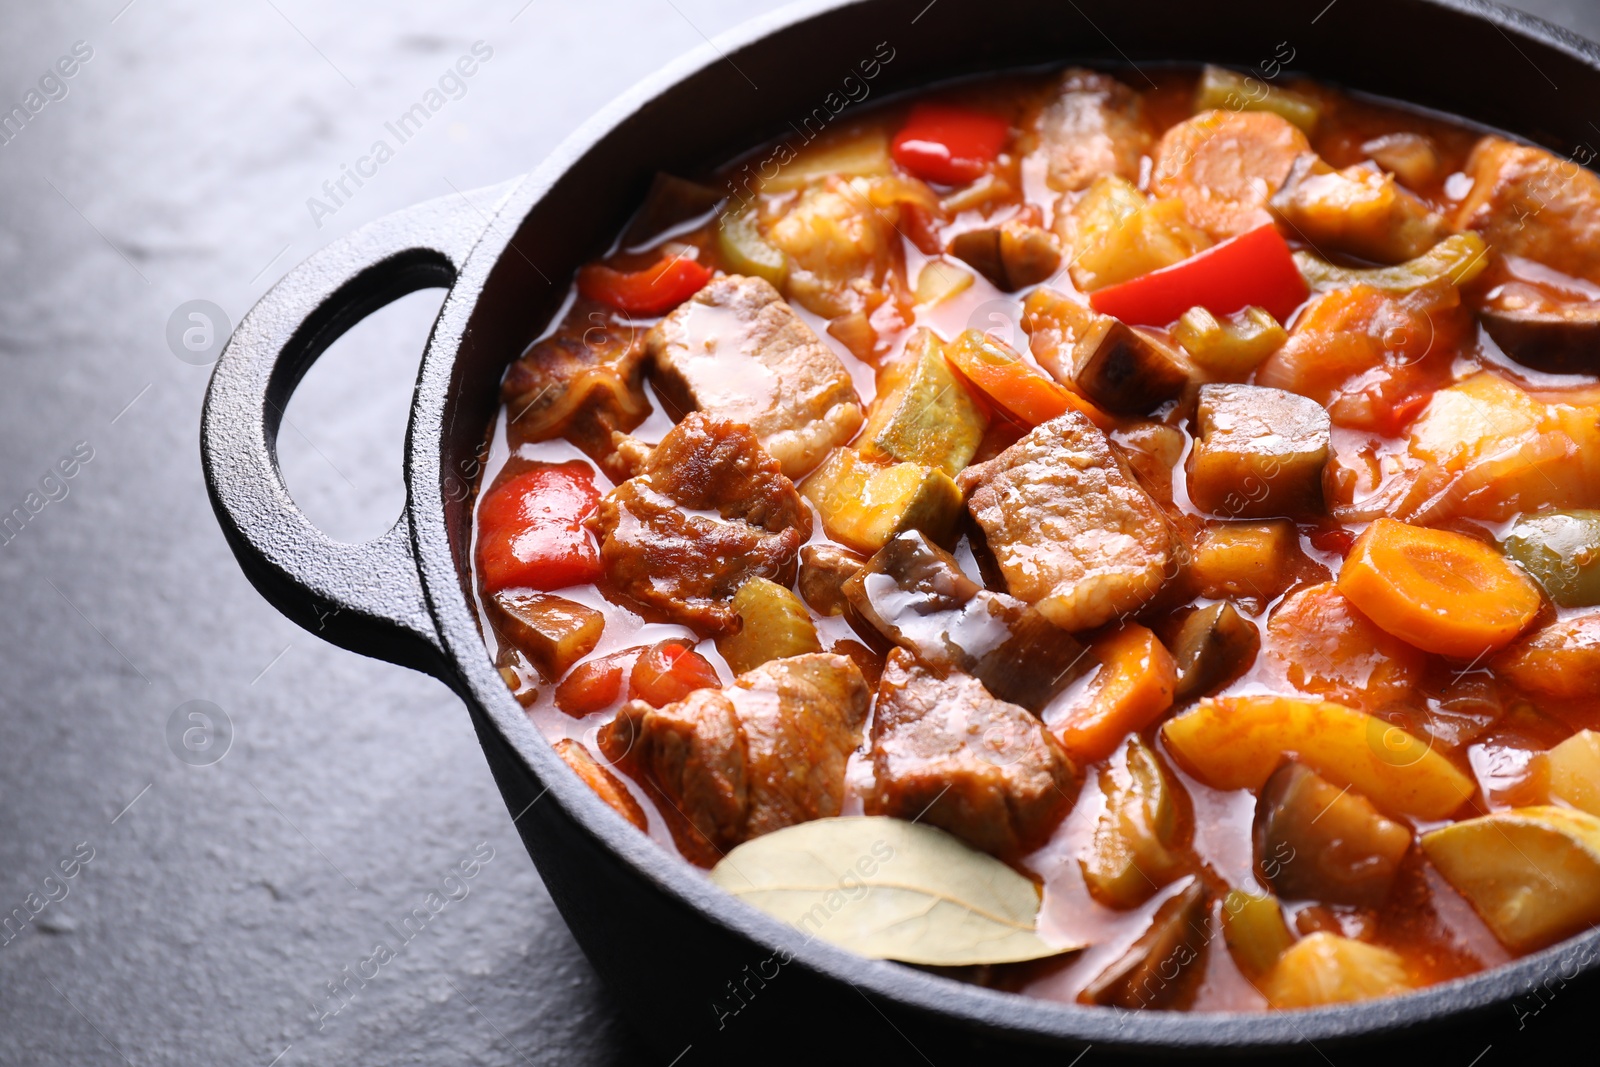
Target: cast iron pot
column 702, row 975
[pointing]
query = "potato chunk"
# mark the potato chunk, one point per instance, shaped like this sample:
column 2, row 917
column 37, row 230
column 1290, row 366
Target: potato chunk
column 1359, row 210
column 1237, row 742
column 1316, row 841
column 1246, row 560
column 922, row 413
column 1572, row 771
column 1533, row 874
column 1122, row 368
column 1115, row 233
column 1224, row 166
column 1328, row 969
column 552, row 631
column 1260, row 452
column 738, row 352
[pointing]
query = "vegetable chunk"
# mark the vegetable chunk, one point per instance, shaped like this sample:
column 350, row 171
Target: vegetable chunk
column 531, row 529
column 824, row 568
column 1232, row 346
column 1224, row 166
column 1122, row 368
column 1162, row 968
column 1533, row 874
column 946, row 752
column 1115, row 233
column 1013, row 255
column 1315, row 841
column 1572, row 770
column 738, row 352
column 1441, row 591
column 1359, row 210
column 1237, row 742
column 606, row 785
column 1561, row 550
column 774, row 625
column 1133, row 686
column 1246, row 560
column 1093, row 125
column 553, row 632
column 864, row 506
column 923, row 413
column 1260, row 452
column 1325, row 968
column 1560, row 660
column 1073, row 532
column 1213, row 645
column 1321, row 643
column 1131, row 855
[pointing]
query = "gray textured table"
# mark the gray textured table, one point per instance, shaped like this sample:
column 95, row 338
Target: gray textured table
column 202, row 883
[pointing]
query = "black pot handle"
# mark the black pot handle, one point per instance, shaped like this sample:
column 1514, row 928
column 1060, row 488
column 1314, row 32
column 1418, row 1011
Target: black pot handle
column 364, row 597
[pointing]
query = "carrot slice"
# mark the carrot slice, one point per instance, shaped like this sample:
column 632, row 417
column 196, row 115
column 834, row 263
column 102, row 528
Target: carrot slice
column 1135, row 684
column 1443, row 592
column 999, row 372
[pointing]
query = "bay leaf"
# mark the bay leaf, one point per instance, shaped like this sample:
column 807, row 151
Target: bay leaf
column 890, row 889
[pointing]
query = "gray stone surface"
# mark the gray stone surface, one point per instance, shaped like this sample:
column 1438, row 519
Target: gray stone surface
column 230, row 883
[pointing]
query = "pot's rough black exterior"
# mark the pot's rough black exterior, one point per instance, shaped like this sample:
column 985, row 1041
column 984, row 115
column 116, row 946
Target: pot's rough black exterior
column 704, row 976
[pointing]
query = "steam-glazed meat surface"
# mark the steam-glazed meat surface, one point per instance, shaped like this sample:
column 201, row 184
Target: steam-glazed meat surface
column 946, row 752
column 1072, row 530
column 710, row 510
column 737, row 351
column 1530, row 203
column 1093, row 126
column 766, row 752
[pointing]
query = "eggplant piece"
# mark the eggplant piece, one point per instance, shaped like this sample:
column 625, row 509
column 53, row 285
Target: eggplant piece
column 915, row 594
column 1315, row 841
column 552, row 631
column 1013, row 255
column 924, row 414
column 1259, row 453
column 1561, row 551
column 824, row 568
column 1556, row 337
column 1160, row 969
column 1223, row 89
column 1131, row 855
column 1213, row 645
column 864, row 506
column 1122, row 368
column 773, row 624
column 1458, row 259
column 670, row 200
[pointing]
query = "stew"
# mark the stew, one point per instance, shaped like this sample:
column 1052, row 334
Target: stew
column 1184, row 491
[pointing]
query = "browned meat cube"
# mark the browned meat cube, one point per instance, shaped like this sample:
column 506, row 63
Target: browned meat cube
column 915, row 594
column 676, row 563
column 766, row 752
column 584, row 386
column 1120, row 367
column 606, row 785
column 1259, row 454
column 946, row 752
column 736, row 351
column 552, row 631
column 1072, row 530
column 1527, row 202
column 1094, row 125
column 1359, row 210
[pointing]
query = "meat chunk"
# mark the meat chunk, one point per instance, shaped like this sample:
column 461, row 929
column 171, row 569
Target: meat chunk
column 1072, row 530
column 1259, row 454
column 946, row 752
column 736, row 351
column 1527, row 202
column 766, row 752
column 663, row 551
column 583, row 385
column 1359, row 210
column 1225, row 166
column 1094, row 125
column 915, row 594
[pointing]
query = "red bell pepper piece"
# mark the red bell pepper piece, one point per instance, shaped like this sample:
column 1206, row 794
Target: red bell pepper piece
column 531, row 532
column 949, row 145
column 655, row 290
column 1255, row 268
column 669, row 671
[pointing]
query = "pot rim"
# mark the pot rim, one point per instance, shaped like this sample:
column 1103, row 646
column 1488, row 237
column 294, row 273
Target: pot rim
column 1013, row 1014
